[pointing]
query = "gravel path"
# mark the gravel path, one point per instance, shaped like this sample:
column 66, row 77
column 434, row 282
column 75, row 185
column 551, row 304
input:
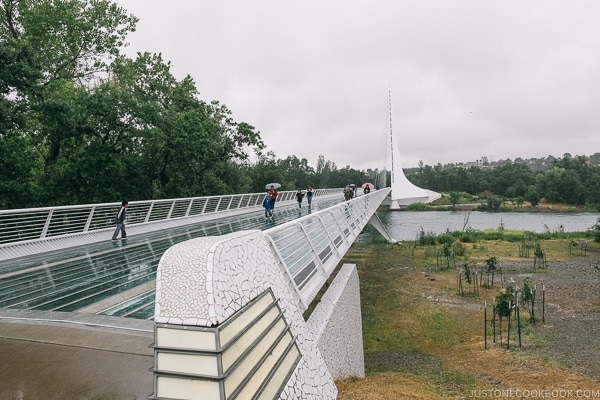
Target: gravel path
column 571, row 332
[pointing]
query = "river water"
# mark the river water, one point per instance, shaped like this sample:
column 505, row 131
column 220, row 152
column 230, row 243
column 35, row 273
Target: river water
column 405, row 225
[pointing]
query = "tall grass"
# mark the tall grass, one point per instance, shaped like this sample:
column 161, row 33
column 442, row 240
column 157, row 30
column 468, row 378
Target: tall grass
column 474, row 235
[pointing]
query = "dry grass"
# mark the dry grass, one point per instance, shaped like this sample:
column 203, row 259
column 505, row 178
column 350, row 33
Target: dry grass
column 424, row 341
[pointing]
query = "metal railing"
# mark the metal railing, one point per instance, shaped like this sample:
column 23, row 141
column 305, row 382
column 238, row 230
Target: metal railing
column 35, row 224
column 310, row 247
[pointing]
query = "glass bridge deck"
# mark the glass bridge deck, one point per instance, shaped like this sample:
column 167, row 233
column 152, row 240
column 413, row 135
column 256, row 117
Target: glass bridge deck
column 115, row 278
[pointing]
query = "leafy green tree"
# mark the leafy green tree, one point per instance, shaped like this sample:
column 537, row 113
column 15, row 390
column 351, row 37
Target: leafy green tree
column 533, row 197
column 504, row 304
column 85, row 124
column 324, row 172
column 298, row 174
column 454, row 198
column 186, row 143
column 511, row 179
column 494, row 202
column 70, row 40
column 491, row 265
column 264, row 171
column 54, row 49
column 560, row 185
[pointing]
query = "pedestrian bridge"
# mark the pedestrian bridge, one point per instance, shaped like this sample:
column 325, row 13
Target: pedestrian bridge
column 225, row 288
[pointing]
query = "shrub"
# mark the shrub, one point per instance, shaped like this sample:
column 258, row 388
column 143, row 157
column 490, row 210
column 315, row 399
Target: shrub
column 595, row 230
column 445, row 238
column 427, row 239
column 459, row 249
column 418, row 207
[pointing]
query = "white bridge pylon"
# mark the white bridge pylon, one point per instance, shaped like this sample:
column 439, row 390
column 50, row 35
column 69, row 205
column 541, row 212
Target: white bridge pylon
column 403, row 191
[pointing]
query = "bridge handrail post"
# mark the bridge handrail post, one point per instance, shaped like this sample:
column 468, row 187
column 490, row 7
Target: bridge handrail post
column 329, row 234
column 89, row 219
column 315, row 253
column 171, row 209
column 189, row 207
column 47, row 224
column 149, row 212
column 288, row 274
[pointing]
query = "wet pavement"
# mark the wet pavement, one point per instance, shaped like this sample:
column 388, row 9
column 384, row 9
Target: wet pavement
column 84, row 357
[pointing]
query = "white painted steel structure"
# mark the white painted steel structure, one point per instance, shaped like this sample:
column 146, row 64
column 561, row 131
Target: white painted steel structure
column 309, row 248
column 205, row 285
column 404, row 192
column 30, row 231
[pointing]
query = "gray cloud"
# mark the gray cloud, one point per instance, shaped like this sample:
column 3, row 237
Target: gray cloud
column 468, row 78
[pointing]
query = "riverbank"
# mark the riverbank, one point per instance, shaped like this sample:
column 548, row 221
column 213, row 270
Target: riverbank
column 505, row 207
column 422, row 340
column 508, row 206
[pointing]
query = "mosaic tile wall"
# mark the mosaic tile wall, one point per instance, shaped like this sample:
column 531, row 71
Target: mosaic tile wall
column 204, row 281
column 336, row 322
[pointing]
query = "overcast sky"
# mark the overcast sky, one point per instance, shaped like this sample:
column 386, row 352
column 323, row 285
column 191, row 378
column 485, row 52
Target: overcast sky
column 502, row 79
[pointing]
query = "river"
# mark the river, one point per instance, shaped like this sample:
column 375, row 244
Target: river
column 405, row 225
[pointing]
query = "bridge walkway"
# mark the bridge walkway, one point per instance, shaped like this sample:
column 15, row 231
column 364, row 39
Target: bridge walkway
column 117, row 278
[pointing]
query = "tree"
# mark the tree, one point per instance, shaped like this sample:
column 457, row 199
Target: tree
column 70, row 40
column 265, row 171
column 53, row 49
column 85, row 124
column 454, row 198
column 494, row 202
column 560, row 185
column 323, row 173
column 504, row 304
column 533, row 197
column 491, row 264
column 298, row 174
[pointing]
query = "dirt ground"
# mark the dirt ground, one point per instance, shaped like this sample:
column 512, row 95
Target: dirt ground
column 559, row 353
column 571, row 332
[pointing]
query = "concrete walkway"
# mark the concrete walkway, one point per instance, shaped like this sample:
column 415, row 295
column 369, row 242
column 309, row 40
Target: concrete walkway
column 44, row 356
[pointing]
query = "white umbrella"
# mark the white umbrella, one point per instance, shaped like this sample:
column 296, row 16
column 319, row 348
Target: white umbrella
column 274, row 184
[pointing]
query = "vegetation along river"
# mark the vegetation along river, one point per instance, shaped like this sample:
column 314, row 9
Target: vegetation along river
column 405, row 225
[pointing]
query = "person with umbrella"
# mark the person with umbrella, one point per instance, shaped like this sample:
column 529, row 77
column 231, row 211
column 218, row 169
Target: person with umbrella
column 272, row 194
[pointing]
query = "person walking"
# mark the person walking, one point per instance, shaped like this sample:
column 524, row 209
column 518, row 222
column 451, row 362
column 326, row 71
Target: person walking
column 120, row 221
column 267, row 206
column 299, row 197
column 272, row 196
column 309, row 195
column 347, row 193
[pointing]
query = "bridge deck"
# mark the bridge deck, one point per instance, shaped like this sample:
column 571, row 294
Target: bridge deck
column 115, row 278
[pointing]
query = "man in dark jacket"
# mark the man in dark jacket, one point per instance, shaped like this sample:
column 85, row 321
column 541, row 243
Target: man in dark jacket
column 120, row 221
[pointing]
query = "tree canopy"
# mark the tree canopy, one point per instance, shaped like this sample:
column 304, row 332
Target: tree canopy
column 80, row 122
column 570, row 180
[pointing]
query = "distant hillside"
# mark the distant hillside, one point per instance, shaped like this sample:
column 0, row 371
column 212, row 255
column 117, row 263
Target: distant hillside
column 536, row 164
